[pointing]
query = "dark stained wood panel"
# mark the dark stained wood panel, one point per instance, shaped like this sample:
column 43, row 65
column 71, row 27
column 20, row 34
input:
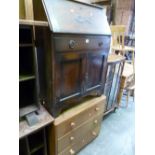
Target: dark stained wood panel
column 95, row 69
column 69, row 75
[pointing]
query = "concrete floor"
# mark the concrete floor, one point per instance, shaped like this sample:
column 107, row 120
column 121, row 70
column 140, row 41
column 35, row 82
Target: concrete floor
column 117, row 133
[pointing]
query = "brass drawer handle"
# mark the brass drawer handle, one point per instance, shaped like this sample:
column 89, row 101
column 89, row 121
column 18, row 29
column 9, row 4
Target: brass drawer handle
column 96, row 121
column 72, row 138
column 72, row 151
column 94, row 133
column 97, row 108
column 72, row 124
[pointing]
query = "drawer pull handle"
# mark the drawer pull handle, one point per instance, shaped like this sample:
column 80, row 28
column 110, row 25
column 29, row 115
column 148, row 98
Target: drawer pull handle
column 97, row 108
column 72, row 124
column 72, row 151
column 95, row 121
column 71, row 138
column 94, row 133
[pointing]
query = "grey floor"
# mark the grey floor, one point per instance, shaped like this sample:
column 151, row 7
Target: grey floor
column 117, row 133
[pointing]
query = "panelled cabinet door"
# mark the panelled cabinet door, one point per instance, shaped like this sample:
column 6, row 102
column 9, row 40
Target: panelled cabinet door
column 70, row 70
column 94, row 74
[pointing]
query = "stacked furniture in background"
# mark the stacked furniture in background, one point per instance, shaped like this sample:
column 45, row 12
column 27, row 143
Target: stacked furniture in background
column 127, row 82
column 113, row 79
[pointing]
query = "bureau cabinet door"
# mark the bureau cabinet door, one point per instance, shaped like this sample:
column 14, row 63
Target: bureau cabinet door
column 69, row 75
column 95, row 70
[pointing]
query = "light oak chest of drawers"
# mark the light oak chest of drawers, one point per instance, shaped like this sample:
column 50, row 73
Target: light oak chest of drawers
column 77, row 127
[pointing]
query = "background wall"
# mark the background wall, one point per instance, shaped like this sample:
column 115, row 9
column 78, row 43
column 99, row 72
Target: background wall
column 123, row 13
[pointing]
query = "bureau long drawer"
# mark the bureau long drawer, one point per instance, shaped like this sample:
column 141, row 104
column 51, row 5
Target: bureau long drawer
column 73, row 119
column 68, row 43
column 87, row 138
column 77, row 134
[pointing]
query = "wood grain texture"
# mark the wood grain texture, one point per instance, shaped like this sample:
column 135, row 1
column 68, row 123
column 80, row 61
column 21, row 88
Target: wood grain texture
column 29, row 9
column 89, row 103
column 21, row 9
column 78, row 134
column 87, row 138
column 80, row 124
column 113, row 58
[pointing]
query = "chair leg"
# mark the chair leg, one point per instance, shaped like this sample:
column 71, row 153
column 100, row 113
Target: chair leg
column 127, row 98
column 133, row 95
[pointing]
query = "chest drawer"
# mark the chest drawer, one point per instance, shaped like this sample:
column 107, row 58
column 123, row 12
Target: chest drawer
column 76, row 127
column 74, row 118
column 80, row 143
column 77, row 134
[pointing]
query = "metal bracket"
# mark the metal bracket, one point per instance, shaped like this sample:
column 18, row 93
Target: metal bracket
column 32, row 118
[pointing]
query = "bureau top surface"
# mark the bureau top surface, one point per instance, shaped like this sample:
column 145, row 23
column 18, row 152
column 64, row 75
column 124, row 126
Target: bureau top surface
column 68, row 16
column 88, row 102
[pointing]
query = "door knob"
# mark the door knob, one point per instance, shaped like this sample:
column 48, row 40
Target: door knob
column 97, row 108
column 94, row 133
column 96, row 121
column 71, row 138
column 100, row 44
column 72, row 124
column 72, row 44
column 72, row 151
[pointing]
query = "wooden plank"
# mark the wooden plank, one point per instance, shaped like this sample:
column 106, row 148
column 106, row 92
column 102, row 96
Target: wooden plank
column 33, row 22
column 101, row 2
column 27, row 109
column 21, row 9
column 26, row 22
column 113, row 58
column 44, row 119
column 39, row 12
column 23, row 78
column 25, row 45
column 41, row 23
column 29, row 9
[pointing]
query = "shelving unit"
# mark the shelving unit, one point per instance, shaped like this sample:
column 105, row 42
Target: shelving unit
column 28, row 66
column 28, row 76
column 34, row 144
column 32, row 133
column 32, row 140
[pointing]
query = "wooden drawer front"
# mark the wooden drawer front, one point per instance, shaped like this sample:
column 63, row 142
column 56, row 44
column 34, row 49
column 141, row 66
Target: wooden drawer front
column 63, row 44
column 77, row 134
column 77, row 120
column 80, row 143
